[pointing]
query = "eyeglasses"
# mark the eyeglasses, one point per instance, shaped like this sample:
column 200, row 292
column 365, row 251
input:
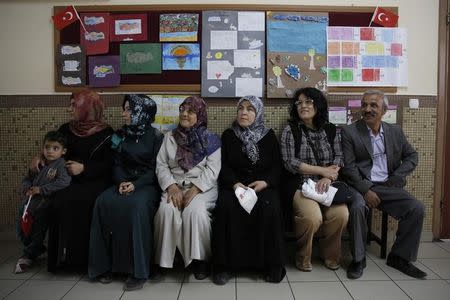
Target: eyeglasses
column 187, row 109
column 307, row 102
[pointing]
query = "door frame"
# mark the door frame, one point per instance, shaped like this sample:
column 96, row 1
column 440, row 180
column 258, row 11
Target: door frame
column 442, row 158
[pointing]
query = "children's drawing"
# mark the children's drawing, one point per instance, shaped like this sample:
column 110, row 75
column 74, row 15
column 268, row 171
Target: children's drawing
column 181, row 57
column 178, row 27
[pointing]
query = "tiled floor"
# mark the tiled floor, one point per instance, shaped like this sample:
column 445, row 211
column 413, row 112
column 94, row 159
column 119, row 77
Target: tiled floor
column 378, row 282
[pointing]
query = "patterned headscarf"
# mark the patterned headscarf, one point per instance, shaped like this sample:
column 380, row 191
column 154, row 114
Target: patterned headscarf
column 252, row 134
column 196, row 142
column 143, row 111
column 88, row 107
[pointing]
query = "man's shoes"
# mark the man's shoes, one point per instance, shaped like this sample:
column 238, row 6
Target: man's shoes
column 404, row 266
column 356, row 269
column 133, row 283
column 200, row 268
column 221, row 278
column 105, row 278
column 156, row 274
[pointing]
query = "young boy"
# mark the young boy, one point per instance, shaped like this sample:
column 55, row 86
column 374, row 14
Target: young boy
column 36, row 188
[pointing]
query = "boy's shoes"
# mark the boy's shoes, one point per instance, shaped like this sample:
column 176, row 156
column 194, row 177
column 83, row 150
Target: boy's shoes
column 404, row 266
column 23, row 265
column 105, row 278
column 133, row 283
column 356, row 269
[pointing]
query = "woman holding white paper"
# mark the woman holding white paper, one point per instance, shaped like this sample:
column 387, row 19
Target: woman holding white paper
column 246, row 237
column 311, row 148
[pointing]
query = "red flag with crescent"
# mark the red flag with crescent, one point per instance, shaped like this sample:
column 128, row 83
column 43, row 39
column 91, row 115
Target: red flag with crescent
column 384, row 17
column 65, row 17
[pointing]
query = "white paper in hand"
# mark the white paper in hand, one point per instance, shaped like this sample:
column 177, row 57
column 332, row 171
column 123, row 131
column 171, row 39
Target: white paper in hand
column 247, row 198
column 309, row 190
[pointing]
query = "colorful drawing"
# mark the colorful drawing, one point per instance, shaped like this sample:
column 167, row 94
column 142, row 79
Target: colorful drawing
column 129, row 27
column 302, row 58
column 71, row 65
column 367, row 56
column 96, row 37
column 104, row 71
column 293, row 71
column 140, row 58
column 178, row 27
column 181, row 56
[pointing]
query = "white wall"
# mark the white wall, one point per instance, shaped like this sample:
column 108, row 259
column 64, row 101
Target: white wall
column 26, row 39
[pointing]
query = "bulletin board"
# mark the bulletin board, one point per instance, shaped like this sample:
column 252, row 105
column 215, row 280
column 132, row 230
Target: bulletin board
column 187, row 80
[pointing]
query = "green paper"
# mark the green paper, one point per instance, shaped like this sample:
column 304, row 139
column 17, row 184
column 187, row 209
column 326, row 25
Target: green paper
column 334, row 75
column 140, row 58
column 346, row 75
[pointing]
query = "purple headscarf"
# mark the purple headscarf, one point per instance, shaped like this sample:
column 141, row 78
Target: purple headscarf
column 196, row 142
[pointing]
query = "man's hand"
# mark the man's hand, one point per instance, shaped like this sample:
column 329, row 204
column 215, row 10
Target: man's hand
column 190, row 194
column 372, row 199
column 74, row 168
column 175, row 195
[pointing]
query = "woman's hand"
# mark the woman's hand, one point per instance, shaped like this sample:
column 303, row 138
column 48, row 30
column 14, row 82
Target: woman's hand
column 126, row 188
column 258, row 185
column 190, row 194
column 322, row 185
column 74, row 168
column 175, row 195
column 36, row 163
column 331, row 172
column 239, row 185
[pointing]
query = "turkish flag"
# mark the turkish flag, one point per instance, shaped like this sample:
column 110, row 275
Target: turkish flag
column 65, row 17
column 384, row 17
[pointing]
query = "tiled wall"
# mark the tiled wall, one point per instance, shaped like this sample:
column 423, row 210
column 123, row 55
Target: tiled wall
column 24, row 120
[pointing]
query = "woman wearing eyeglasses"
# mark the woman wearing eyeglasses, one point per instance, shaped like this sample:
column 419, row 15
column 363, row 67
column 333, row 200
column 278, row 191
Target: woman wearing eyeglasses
column 311, row 148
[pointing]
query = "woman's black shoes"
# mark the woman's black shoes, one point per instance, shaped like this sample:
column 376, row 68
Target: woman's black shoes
column 105, row 278
column 201, row 269
column 133, row 283
column 221, row 278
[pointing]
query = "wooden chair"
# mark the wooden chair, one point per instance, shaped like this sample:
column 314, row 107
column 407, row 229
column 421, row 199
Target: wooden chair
column 380, row 240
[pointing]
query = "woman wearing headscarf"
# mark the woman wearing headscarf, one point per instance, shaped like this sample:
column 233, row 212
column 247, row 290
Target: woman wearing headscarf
column 187, row 167
column 308, row 152
column 252, row 240
column 89, row 161
column 122, row 223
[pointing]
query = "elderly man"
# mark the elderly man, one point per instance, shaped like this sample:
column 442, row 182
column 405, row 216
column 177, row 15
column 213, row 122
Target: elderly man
column 377, row 159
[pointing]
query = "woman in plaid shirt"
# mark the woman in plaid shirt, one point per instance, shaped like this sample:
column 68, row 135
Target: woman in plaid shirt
column 318, row 159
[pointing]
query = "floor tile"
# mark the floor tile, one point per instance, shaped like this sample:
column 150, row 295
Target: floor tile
column 371, row 272
column 207, row 291
column 426, row 289
column 432, row 250
column 173, row 275
column 319, row 273
column 439, row 266
column 8, row 285
column 253, row 277
column 61, row 275
column 96, row 291
column 319, row 290
column 41, row 289
column 7, row 270
column 444, row 245
column 158, row 291
column 395, row 274
column 374, row 290
column 263, row 291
